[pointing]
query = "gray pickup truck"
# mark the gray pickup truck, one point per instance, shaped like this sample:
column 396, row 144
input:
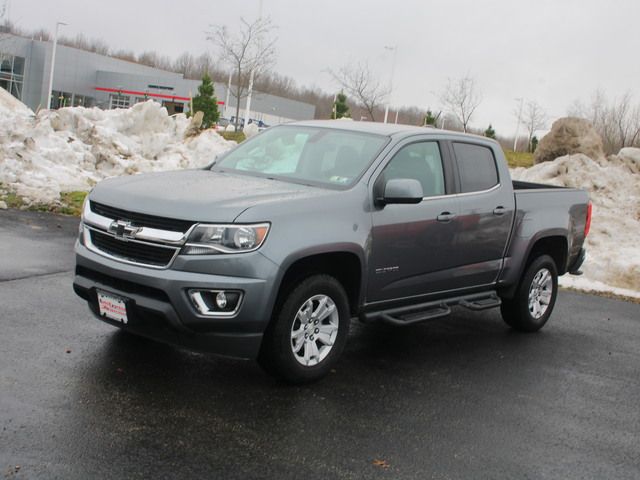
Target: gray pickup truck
column 269, row 252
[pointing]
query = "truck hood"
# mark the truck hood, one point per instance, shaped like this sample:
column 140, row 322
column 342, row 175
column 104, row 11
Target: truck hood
column 197, row 195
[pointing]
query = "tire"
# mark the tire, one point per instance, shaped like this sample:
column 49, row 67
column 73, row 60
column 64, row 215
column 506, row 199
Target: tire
column 541, row 281
column 308, row 331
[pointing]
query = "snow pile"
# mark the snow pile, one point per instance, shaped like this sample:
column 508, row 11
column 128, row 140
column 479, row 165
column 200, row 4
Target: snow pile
column 9, row 103
column 613, row 246
column 73, row 148
column 251, row 130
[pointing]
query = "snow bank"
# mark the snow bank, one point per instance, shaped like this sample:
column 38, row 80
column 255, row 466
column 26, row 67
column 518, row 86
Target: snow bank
column 613, row 248
column 9, row 103
column 73, row 148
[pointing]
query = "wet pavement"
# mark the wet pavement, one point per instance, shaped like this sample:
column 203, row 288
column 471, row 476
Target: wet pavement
column 460, row 397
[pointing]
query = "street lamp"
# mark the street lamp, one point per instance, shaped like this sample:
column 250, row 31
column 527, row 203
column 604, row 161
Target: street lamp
column 251, row 75
column 515, row 140
column 226, row 100
column 393, row 68
column 53, row 64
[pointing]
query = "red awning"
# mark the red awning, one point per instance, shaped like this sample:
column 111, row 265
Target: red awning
column 145, row 94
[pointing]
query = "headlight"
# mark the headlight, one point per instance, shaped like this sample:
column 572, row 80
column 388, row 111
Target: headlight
column 215, row 239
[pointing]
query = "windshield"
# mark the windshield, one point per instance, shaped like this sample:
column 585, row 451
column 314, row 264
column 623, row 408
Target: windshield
column 311, row 155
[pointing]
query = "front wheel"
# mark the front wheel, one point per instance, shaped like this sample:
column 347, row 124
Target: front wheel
column 533, row 302
column 308, row 332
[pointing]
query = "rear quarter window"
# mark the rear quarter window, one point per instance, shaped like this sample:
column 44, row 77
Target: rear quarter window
column 477, row 167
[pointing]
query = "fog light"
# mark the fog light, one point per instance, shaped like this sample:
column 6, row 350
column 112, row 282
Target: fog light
column 216, row 302
column 221, row 300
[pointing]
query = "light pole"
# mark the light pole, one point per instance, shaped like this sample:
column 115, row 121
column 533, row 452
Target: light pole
column 226, row 100
column 53, row 64
column 393, row 68
column 251, row 75
column 515, row 140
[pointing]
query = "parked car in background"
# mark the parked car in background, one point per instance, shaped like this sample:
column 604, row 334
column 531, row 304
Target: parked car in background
column 261, row 125
column 222, row 124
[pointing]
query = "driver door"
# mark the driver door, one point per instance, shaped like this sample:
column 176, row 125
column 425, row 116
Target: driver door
column 412, row 250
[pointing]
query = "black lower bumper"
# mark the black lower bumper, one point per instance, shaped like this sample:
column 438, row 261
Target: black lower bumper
column 574, row 268
column 155, row 318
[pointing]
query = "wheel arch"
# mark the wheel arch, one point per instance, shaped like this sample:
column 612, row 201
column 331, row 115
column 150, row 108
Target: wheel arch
column 553, row 243
column 344, row 264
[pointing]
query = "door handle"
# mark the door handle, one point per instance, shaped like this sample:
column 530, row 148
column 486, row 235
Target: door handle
column 445, row 217
column 499, row 210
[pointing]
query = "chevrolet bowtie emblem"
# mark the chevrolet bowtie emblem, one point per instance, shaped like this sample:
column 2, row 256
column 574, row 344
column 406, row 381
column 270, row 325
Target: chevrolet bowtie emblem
column 123, row 230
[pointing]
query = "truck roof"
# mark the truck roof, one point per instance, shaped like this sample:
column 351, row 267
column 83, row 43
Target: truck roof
column 387, row 129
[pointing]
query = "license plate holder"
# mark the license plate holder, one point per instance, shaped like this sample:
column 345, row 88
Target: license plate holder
column 112, row 307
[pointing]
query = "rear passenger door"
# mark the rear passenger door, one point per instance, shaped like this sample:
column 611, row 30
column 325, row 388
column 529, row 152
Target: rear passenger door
column 485, row 214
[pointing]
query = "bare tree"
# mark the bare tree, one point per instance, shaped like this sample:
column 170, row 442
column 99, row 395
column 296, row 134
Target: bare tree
column 5, row 26
column 461, row 97
column 617, row 122
column 185, row 64
column 363, row 85
column 626, row 120
column 533, row 118
column 127, row 55
column 449, row 121
column 83, row 43
column 250, row 48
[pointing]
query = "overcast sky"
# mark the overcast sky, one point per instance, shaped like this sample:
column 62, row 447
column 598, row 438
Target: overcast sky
column 551, row 51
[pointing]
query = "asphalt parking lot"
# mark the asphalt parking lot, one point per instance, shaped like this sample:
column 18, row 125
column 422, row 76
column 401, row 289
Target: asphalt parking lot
column 460, row 397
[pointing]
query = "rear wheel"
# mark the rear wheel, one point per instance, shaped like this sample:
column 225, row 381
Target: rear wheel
column 533, row 303
column 308, row 332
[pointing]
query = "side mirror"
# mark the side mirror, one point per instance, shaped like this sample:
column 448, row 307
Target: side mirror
column 402, row 190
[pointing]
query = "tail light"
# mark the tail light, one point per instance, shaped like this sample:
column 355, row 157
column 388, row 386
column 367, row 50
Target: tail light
column 587, row 225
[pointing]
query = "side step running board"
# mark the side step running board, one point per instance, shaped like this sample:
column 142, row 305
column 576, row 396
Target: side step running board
column 412, row 314
column 416, row 317
column 482, row 303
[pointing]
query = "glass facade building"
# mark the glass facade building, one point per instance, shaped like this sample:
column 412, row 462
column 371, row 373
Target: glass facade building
column 89, row 79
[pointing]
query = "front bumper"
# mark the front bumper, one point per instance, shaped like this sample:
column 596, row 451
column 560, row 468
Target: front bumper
column 158, row 306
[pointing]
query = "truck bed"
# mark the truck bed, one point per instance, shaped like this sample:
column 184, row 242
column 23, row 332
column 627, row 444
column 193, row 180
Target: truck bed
column 518, row 185
column 547, row 208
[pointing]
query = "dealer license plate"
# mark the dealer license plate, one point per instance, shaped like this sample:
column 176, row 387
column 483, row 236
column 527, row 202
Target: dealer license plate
column 112, row 307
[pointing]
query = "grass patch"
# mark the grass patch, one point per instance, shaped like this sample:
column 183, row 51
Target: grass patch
column 235, row 136
column 519, row 159
column 12, row 200
column 70, row 203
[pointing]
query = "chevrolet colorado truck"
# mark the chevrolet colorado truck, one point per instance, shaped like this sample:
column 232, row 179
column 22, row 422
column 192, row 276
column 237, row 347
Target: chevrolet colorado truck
column 270, row 251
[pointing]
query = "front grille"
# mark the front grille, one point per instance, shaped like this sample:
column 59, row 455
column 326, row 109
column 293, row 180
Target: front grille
column 142, row 253
column 141, row 219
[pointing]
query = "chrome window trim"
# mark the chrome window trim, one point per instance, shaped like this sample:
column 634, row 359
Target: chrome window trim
column 93, row 248
column 466, row 194
column 479, row 192
column 438, row 197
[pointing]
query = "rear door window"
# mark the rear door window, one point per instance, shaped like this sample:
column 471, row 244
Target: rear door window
column 477, row 167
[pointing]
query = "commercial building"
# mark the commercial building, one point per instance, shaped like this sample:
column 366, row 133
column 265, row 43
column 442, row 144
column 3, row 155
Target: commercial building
column 88, row 79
